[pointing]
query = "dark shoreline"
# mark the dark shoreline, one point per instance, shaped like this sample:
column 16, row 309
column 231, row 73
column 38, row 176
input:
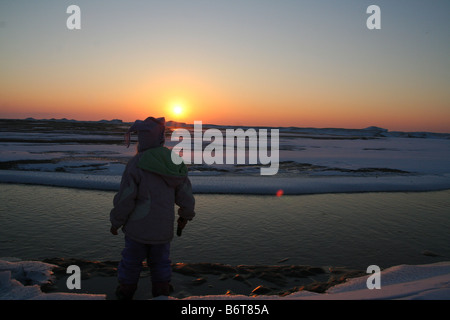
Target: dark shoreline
column 202, row 279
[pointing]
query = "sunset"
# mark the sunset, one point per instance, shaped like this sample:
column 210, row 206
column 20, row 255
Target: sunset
column 259, row 63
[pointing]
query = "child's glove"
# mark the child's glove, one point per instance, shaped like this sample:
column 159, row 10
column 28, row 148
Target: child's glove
column 113, row 231
column 181, row 224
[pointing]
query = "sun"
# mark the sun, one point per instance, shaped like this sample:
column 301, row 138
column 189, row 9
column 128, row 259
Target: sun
column 177, row 109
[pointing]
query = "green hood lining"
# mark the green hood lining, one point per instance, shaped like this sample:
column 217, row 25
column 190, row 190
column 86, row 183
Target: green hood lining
column 159, row 160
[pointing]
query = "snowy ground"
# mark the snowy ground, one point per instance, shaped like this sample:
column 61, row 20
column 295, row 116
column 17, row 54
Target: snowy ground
column 92, row 155
column 22, row 280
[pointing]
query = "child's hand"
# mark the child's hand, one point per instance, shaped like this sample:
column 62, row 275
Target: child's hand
column 113, row 231
column 181, row 224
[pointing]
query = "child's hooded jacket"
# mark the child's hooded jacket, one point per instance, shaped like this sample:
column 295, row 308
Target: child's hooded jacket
column 151, row 185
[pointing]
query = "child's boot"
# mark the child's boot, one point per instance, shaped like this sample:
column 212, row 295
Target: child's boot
column 126, row 291
column 161, row 289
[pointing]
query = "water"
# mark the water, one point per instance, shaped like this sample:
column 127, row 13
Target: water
column 353, row 230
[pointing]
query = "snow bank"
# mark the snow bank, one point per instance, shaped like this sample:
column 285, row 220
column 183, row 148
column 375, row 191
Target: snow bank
column 61, row 179
column 21, row 280
column 427, row 282
column 317, row 185
column 404, row 282
column 234, row 184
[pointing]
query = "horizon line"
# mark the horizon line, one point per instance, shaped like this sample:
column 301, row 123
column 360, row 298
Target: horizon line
column 224, row 125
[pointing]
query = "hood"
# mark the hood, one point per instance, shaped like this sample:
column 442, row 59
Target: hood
column 150, row 133
column 159, row 160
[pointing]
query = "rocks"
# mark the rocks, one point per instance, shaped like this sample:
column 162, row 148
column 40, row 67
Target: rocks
column 273, row 277
column 265, row 280
column 259, row 290
column 216, row 278
column 275, row 274
column 429, row 253
column 196, row 269
column 198, row 281
column 239, row 277
column 88, row 268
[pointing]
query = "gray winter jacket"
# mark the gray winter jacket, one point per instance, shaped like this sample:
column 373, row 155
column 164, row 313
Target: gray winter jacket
column 151, row 186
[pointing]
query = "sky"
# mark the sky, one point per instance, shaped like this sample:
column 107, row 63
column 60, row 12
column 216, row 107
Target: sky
column 280, row 63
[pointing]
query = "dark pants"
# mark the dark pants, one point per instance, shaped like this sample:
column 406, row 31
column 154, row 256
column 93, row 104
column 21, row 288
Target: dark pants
column 135, row 253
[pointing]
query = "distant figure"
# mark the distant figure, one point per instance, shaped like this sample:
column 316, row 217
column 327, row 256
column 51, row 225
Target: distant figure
column 145, row 209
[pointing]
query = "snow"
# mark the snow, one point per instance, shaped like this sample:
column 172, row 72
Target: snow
column 232, row 184
column 311, row 160
column 21, row 280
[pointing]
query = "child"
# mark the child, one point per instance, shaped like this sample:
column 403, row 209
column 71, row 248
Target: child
column 144, row 207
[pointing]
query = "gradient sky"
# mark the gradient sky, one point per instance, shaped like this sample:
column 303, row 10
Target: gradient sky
column 240, row 62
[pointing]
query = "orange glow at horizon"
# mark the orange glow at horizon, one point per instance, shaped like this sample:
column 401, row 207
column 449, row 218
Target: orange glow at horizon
column 267, row 114
column 205, row 96
column 214, row 103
